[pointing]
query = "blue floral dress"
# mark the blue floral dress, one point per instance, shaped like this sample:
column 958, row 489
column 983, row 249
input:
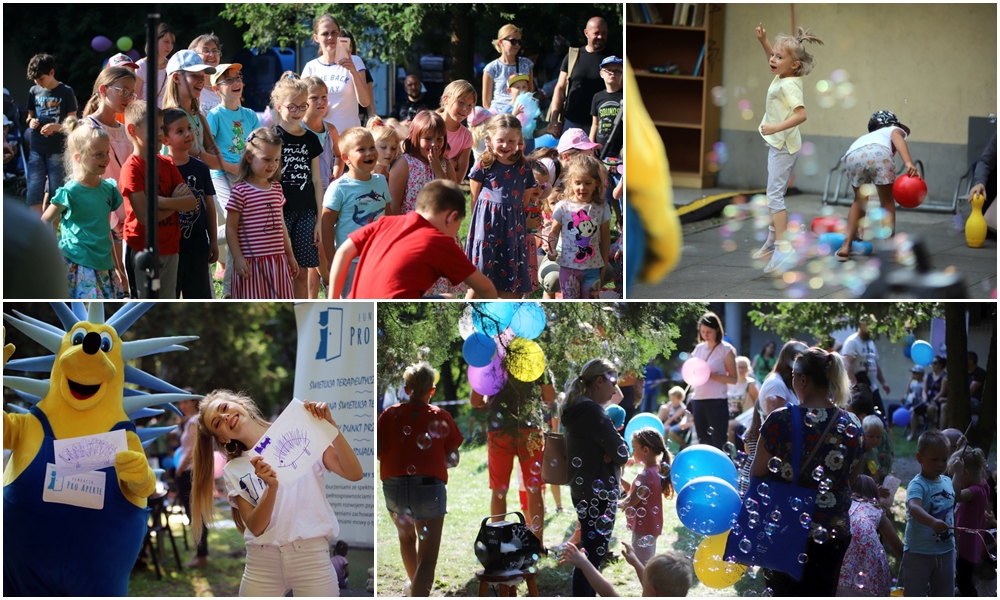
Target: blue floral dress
column 497, row 242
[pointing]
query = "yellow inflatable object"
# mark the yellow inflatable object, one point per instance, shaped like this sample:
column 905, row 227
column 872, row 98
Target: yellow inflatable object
column 709, row 566
column 648, row 186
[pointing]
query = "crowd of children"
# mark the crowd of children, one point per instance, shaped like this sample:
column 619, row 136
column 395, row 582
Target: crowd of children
column 266, row 205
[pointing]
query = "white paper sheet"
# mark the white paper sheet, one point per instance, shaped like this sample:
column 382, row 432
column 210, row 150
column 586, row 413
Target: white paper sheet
column 294, row 442
column 89, row 452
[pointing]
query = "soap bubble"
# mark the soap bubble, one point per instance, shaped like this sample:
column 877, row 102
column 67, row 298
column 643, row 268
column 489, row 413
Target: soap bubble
column 579, row 481
column 407, row 430
column 598, row 485
column 745, row 546
column 719, row 95
column 993, row 118
column 642, row 492
column 817, row 473
column 645, row 541
column 805, row 520
column 711, row 431
column 604, row 525
column 630, row 512
column 411, row 470
column 424, row 441
column 803, row 558
column 774, row 465
column 795, row 503
column 601, row 550
column 820, row 535
column 577, row 462
column 439, row 429
column 593, row 512
column 860, row 580
column 730, row 448
column 763, row 489
column 640, row 512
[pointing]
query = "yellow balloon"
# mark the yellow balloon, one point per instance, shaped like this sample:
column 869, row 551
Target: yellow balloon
column 437, row 377
column 525, row 359
column 710, row 567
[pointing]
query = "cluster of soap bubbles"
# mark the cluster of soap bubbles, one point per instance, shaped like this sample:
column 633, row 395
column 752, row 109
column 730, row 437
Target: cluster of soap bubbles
column 717, row 156
column 837, row 88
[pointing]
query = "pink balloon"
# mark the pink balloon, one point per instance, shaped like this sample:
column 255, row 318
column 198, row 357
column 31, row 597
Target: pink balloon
column 503, row 341
column 133, row 54
column 220, row 464
column 695, row 371
column 488, row 380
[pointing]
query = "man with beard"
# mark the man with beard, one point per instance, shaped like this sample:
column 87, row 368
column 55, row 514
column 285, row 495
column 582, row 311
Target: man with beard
column 860, row 355
column 574, row 93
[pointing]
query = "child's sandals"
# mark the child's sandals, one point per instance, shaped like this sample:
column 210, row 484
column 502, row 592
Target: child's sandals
column 842, row 257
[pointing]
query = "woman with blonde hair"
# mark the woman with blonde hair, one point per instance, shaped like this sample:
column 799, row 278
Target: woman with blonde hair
column 496, row 98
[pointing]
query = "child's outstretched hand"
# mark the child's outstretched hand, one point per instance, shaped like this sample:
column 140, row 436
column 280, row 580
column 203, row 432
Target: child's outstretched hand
column 320, row 410
column 572, row 555
column 264, row 471
column 760, row 32
column 630, row 556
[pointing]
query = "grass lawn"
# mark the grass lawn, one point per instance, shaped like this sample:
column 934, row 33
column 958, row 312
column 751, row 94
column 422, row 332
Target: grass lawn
column 222, row 576
column 468, row 504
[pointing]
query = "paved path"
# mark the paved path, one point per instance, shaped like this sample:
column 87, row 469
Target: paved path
column 715, row 262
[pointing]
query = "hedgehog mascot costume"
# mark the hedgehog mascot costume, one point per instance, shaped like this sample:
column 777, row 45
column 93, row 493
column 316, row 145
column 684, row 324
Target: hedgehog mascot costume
column 58, row 543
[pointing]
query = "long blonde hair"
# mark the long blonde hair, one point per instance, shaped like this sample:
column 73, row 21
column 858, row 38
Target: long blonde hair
column 203, row 460
column 577, row 387
column 506, row 31
column 455, row 90
column 826, row 369
column 80, row 136
column 106, row 78
column 794, row 46
column 493, row 125
column 257, row 138
column 382, row 131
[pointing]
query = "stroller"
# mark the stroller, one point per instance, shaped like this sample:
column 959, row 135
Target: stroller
column 15, row 180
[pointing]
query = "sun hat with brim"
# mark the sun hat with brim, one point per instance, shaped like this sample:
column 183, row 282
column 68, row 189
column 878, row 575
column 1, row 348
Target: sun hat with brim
column 221, row 70
column 884, row 118
column 122, row 60
column 188, row 60
column 575, row 139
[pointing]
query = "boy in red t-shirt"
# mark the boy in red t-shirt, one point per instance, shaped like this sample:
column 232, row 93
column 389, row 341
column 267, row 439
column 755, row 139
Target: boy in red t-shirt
column 173, row 195
column 402, row 256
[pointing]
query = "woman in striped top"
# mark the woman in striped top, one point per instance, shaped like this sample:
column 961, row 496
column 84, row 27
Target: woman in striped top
column 255, row 228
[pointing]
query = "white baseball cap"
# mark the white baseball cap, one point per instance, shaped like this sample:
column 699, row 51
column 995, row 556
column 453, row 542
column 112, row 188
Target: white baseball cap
column 188, row 60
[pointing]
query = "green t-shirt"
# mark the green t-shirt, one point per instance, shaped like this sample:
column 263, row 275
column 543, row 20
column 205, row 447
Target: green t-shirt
column 84, row 229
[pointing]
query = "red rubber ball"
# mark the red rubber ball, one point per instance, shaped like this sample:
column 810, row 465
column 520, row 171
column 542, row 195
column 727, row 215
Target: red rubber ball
column 908, row 191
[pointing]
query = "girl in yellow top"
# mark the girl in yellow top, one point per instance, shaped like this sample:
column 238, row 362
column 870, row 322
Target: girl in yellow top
column 784, row 113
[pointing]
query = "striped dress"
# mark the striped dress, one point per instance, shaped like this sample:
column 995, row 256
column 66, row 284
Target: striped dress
column 262, row 242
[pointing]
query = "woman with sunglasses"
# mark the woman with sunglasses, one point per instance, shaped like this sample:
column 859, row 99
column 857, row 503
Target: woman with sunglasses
column 596, row 453
column 496, row 96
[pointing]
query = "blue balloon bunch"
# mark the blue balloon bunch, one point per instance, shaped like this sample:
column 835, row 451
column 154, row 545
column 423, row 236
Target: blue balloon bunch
column 707, row 500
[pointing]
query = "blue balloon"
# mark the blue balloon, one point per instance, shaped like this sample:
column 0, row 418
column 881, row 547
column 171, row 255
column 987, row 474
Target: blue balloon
column 708, row 505
column 479, row 349
column 836, row 240
column 909, row 339
column 641, row 421
column 901, row 417
column 702, row 460
column 492, row 318
column 529, row 320
column 617, row 414
column 177, row 457
column 922, row 353
column 908, row 351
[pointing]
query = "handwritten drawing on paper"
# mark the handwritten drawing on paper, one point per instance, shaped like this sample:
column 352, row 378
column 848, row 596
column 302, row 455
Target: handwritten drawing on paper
column 294, row 442
column 89, row 452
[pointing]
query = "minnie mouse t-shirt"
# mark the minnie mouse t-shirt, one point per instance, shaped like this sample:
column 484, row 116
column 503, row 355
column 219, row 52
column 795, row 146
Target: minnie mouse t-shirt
column 581, row 233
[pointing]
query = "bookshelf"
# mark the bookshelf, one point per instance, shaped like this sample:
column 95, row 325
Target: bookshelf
column 678, row 98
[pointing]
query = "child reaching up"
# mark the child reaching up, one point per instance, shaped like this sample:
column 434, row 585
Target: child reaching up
column 357, row 199
column 301, row 181
column 665, row 575
column 457, row 102
column 583, row 219
column 643, row 502
column 386, row 145
column 783, row 114
column 497, row 241
column 85, row 205
column 869, row 160
column 402, row 256
column 287, row 527
column 262, row 252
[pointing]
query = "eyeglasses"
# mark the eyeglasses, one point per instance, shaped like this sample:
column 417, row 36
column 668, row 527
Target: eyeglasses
column 292, row 108
column 617, row 72
column 611, row 377
column 215, row 52
column 124, row 93
column 513, row 41
column 229, row 80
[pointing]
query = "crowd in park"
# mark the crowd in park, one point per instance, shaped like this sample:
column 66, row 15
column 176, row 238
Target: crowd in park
column 742, row 446
column 294, row 202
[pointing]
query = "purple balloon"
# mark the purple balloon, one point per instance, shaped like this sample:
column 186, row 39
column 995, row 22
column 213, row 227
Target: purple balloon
column 488, row 380
column 100, row 43
column 133, row 54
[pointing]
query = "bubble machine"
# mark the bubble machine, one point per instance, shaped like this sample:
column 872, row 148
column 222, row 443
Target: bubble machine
column 504, row 546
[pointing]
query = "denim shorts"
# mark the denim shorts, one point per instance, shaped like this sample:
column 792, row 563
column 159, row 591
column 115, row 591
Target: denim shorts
column 421, row 497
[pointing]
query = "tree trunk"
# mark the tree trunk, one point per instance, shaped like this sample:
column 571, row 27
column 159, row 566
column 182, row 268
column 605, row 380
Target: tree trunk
column 986, row 430
column 957, row 341
column 461, row 43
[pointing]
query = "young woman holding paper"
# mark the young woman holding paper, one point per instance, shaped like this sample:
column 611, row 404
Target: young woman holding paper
column 287, row 527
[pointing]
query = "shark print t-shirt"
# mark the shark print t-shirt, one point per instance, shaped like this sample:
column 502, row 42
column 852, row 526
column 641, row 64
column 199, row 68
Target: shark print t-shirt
column 581, row 233
column 358, row 203
column 937, row 498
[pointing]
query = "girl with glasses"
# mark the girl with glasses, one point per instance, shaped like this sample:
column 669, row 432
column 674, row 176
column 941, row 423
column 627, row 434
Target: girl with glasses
column 496, row 97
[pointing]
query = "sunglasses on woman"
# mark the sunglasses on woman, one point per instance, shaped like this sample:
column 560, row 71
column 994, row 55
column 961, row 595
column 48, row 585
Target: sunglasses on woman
column 513, row 41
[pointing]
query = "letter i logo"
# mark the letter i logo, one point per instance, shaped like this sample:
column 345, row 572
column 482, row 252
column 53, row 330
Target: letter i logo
column 331, row 328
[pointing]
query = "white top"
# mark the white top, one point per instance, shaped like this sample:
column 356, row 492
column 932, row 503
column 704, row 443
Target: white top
column 140, row 86
column 343, row 112
column 208, row 100
column 716, row 359
column 121, row 148
column 864, row 356
column 772, row 388
column 301, row 510
column 882, row 137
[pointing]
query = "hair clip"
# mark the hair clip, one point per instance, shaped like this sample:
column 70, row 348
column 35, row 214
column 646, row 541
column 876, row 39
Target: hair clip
column 291, row 75
column 799, row 39
column 250, row 138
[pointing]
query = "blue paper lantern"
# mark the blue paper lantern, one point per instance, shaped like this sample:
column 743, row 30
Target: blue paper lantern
column 702, row 460
column 922, row 353
column 492, row 318
column 479, row 349
column 528, row 320
column 641, row 421
column 708, row 505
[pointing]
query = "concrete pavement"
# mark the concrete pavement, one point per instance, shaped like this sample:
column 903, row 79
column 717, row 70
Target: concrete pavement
column 715, row 261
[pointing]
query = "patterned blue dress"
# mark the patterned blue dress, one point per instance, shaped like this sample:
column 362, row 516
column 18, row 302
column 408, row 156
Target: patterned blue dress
column 497, row 242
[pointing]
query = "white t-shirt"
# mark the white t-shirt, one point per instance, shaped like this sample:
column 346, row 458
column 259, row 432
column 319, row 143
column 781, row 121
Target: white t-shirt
column 343, row 112
column 882, row 137
column 774, row 387
column 864, row 356
column 208, row 100
column 716, row 359
column 140, row 86
column 301, row 511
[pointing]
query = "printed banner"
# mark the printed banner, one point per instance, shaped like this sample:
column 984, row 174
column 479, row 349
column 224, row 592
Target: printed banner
column 336, row 364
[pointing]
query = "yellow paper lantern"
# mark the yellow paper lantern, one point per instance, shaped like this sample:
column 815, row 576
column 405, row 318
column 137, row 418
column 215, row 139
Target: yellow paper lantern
column 525, row 360
column 710, row 567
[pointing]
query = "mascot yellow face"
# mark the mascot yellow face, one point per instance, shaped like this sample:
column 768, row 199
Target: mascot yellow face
column 89, row 368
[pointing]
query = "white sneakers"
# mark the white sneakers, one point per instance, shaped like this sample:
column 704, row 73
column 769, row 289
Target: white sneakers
column 782, row 259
